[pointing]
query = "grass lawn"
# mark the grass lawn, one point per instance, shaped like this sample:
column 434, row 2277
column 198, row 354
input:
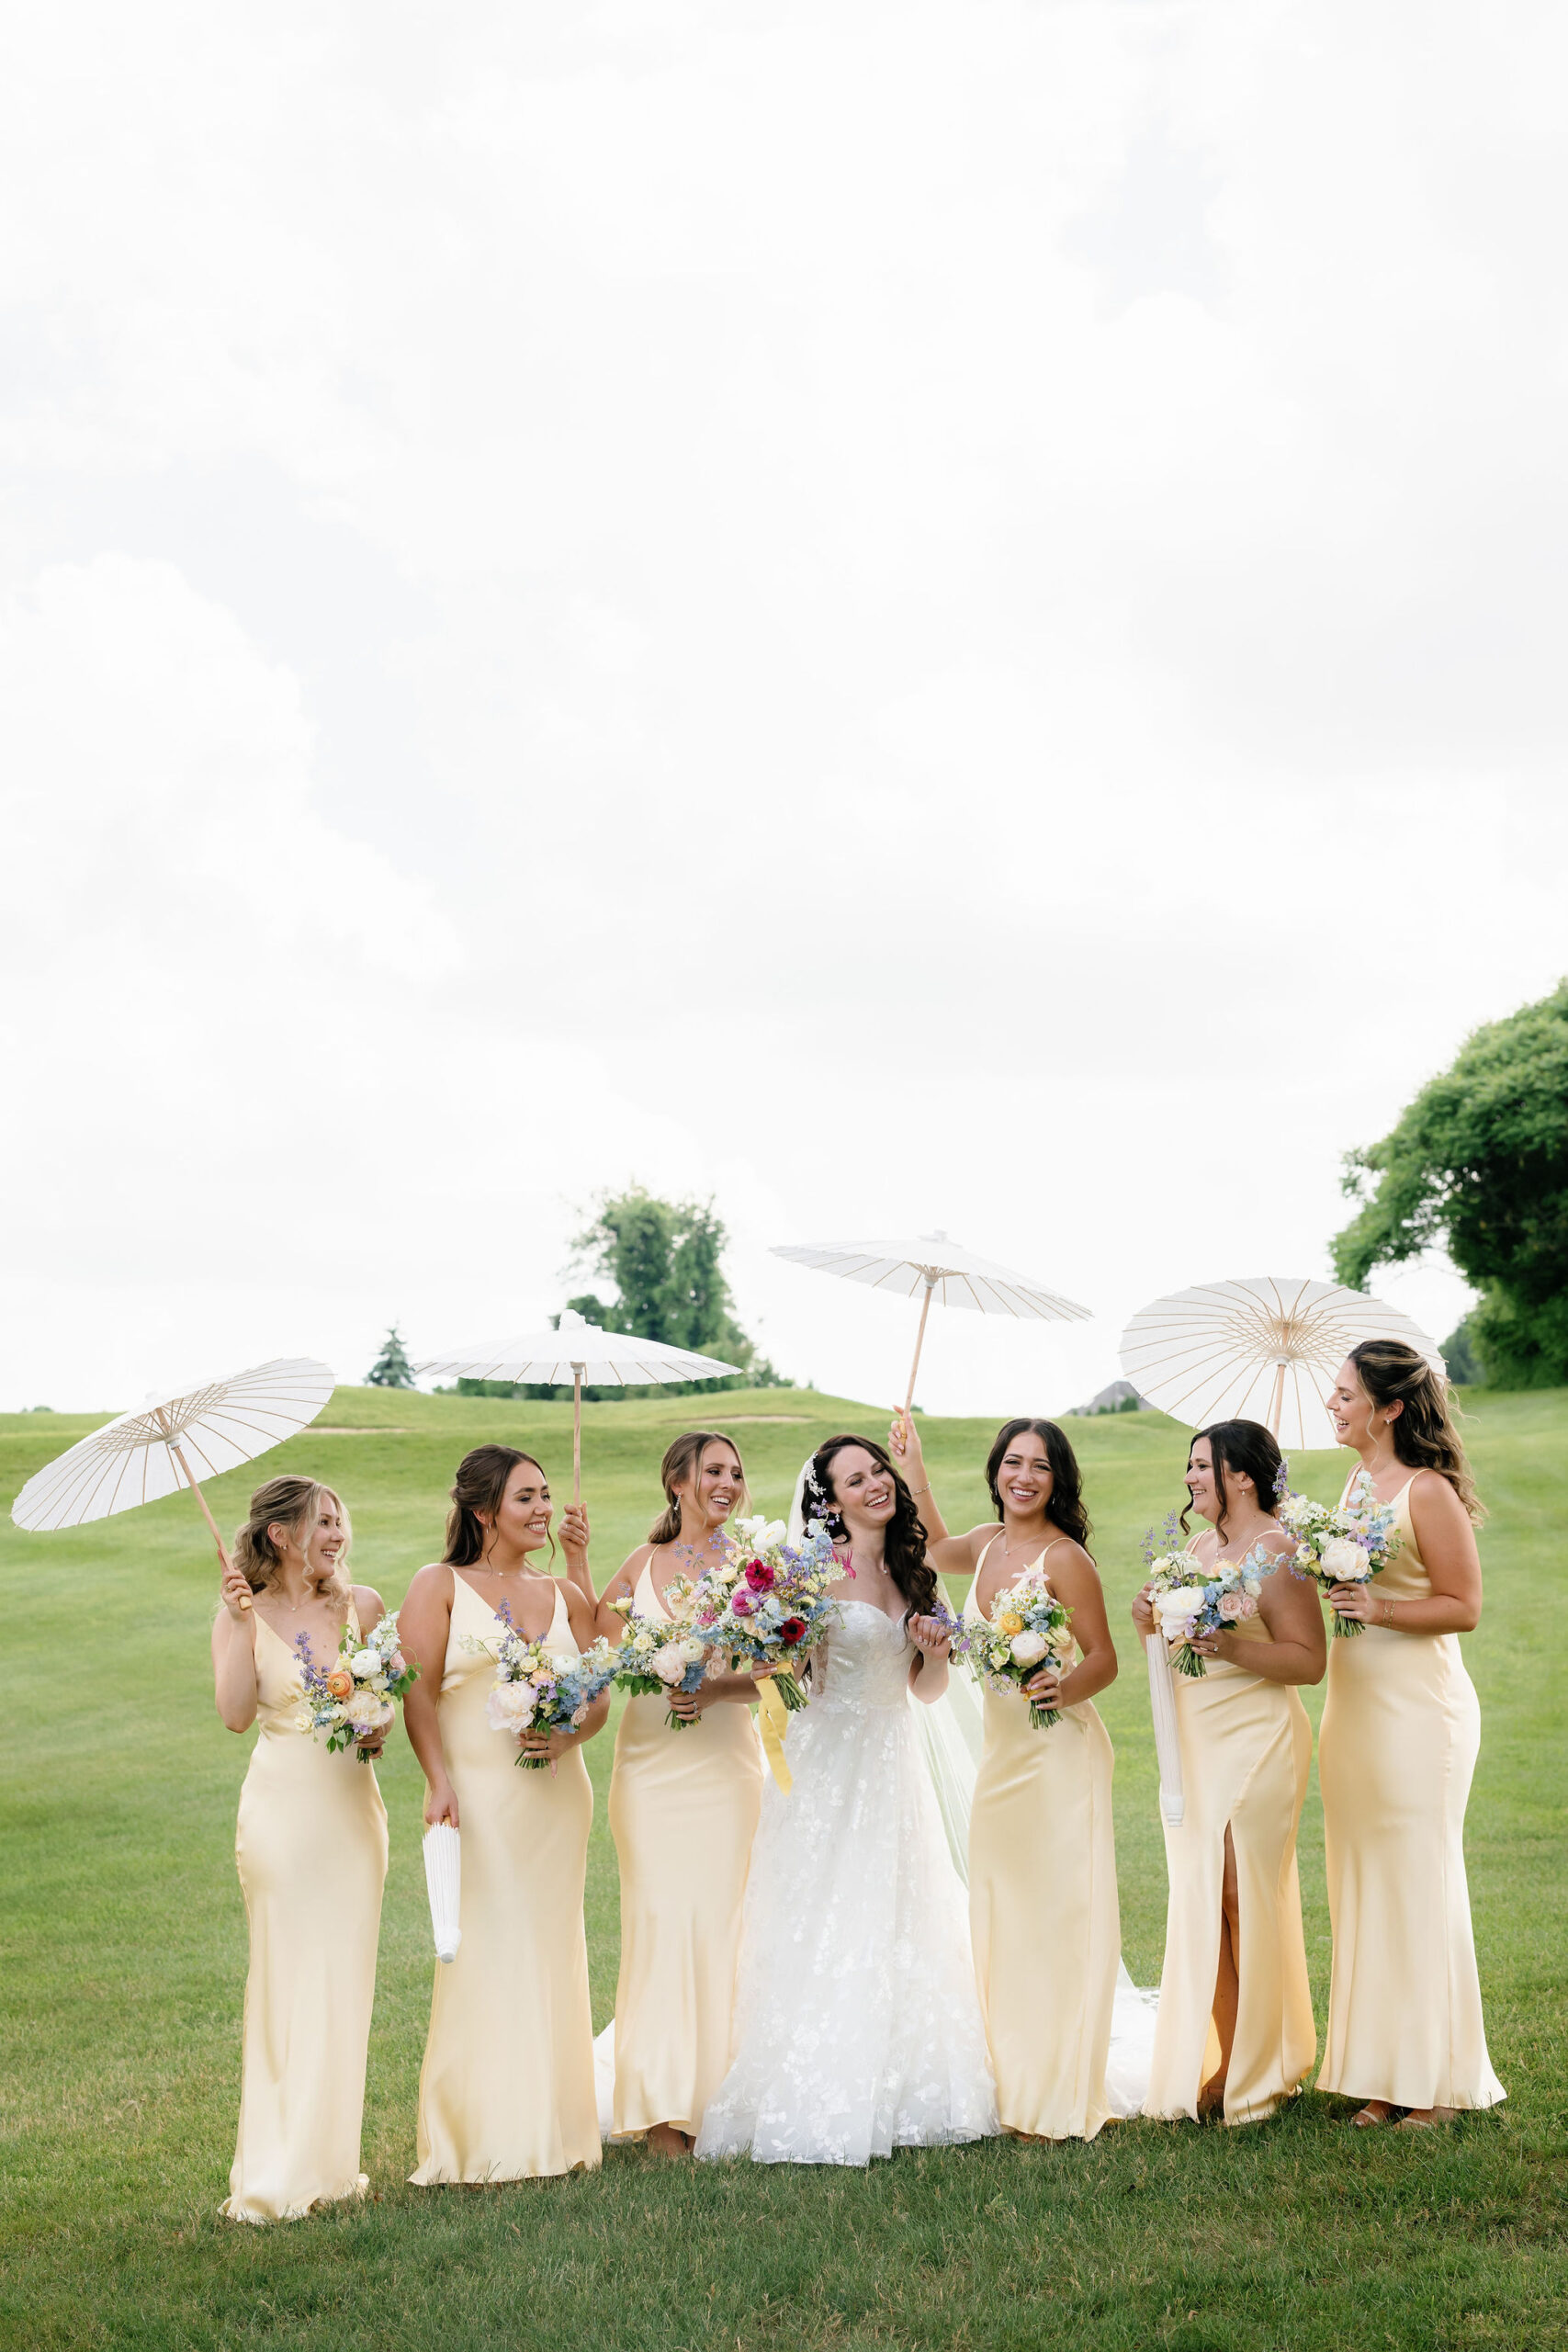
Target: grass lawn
column 123, row 1958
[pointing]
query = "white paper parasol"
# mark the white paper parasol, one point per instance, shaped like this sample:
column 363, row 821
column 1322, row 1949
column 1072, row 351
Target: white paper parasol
column 1262, row 1349
column 144, row 1455
column 580, row 1352
column 937, row 1269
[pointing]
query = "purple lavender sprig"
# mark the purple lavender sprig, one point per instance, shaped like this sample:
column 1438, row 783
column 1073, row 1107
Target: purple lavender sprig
column 1169, row 1539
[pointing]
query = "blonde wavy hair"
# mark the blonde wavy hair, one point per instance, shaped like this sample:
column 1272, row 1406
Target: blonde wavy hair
column 291, row 1502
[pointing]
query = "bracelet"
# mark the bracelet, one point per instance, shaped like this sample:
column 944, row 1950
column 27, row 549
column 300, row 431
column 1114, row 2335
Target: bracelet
column 1388, row 1610
column 920, row 1490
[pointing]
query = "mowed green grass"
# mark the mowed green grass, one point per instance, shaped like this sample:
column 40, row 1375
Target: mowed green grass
column 123, row 1964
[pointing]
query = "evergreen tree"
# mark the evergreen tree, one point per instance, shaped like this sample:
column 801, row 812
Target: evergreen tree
column 391, row 1368
column 1480, row 1162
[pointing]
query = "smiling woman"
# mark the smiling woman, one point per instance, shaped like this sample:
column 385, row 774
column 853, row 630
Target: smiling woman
column 509, row 2105
column 308, row 1820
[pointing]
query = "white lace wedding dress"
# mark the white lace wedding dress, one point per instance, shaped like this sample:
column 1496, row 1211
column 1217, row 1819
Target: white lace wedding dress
column 858, row 2026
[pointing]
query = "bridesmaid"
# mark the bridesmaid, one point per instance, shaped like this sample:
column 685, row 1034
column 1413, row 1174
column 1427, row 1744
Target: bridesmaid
column 1043, row 1909
column 311, row 1847
column 1235, row 2034
column 1401, row 1733
column 684, row 1808
column 506, row 2091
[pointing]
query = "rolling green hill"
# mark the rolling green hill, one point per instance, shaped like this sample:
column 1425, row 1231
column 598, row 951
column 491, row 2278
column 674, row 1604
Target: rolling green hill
column 123, row 1960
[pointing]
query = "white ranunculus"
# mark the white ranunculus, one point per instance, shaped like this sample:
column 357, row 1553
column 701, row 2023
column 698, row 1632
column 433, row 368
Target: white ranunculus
column 1254, row 1584
column 367, row 1712
column 672, row 1663
column 363, row 1664
column 1027, row 1646
column 773, row 1532
column 510, row 1706
column 1174, row 1609
column 1344, row 1561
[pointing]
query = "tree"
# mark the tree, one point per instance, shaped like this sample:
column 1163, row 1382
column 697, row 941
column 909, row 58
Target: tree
column 391, row 1368
column 665, row 1260
column 1478, row 1162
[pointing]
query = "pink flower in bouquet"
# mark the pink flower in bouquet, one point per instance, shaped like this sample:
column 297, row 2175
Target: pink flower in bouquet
column 1248, row 1605
column 1232, row 1606
column 759, row 1576
column 741, row 1605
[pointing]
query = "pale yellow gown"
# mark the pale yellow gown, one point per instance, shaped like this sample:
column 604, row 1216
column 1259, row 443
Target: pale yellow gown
column 311, row 1849
column 506, row 2091
column 1246, row 1746
column 1401, row 1734
column 684, row 1808
column 1043, row 1911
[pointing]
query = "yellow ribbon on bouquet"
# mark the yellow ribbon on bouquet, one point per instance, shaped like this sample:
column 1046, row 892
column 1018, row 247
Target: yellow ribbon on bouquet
column 772, row 1718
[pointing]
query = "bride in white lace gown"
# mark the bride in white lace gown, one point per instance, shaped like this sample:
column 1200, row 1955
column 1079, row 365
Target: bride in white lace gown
column 857, row 2025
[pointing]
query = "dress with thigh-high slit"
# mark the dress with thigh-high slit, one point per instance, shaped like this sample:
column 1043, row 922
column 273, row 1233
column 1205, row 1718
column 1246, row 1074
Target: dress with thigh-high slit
column 683, row 1807
column 1246, row 1746
column 506, row 2091
column 311, row 1843
column 1043, row 1912
column 1401, row 1734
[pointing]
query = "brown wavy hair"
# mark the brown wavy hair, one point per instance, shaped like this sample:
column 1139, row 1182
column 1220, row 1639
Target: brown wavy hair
column 681, row 1461
column 1066, row 1507
column 1424, row 1434
column 905, row 1542
column 287, row 1501
column 479, row 1485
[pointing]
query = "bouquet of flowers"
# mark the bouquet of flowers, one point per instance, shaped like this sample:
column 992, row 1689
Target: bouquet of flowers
column 542, row 1690
column 1028, row 1628
column 1345, row 1545
column 1192, row 1601
column 764, row 1602
column 662, row 1654
column 357, row 1697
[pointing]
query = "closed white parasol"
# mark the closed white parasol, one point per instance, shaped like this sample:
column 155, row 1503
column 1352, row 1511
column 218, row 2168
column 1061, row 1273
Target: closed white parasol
column 584, row 1354
column 1261, row 1349
column 217, row 1424
column 937, row 1269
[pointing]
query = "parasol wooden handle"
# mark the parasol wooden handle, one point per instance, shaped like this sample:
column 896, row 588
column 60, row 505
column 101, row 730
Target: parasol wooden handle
column 920, row 1339
column 1276, row 1405
column 577, row 1436
column 201, row 1505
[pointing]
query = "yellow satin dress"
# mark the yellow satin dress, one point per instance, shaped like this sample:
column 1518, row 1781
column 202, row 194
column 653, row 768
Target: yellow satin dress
column 506, row 2091
column 1396, row 1754
column 684, row 1808
column 1043, row 1915
column 311, row 1849
column 1246, row 1746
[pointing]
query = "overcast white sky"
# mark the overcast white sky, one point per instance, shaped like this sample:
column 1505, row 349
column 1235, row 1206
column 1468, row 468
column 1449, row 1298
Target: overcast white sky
column 945, row 613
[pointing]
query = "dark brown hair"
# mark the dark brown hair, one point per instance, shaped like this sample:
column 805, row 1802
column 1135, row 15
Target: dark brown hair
column 287, row 1501
column 479, row 1485
column 905, row 1543
column 1246, row 1447
column 1424, row 1434
column 1065, row 1509
column 681, row 1463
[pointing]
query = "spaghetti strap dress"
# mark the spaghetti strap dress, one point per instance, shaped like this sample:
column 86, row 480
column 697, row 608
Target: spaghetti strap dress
column 506, row 2091
column 684, row 1808
column 1245, row 1747
column 310, row 1844
column 1396, row 1754
column 1043, row 1914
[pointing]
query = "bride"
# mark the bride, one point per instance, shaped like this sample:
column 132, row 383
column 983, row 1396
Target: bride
column 857, row 2025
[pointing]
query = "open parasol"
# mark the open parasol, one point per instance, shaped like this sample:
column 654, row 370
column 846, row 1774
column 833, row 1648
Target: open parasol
column 937, row 1269
column 1262, row 1349
column 146, row 1454
column 580, row 1352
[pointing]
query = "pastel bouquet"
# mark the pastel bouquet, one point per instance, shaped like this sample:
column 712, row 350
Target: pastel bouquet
column 541, row 1690
column 763, row 1602
column 1028, row 1628
column 663, row 1655
column 1192, row 1601
column 357, row 1697
column 1347, row 1545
